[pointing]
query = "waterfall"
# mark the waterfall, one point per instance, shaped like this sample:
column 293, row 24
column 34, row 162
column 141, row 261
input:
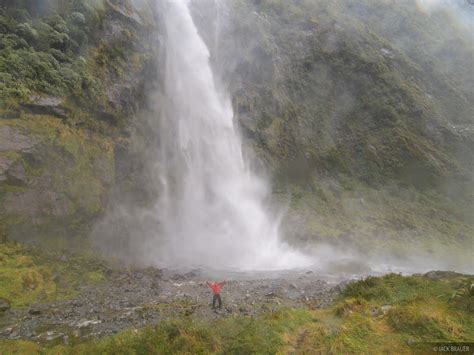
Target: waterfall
column 211, row 209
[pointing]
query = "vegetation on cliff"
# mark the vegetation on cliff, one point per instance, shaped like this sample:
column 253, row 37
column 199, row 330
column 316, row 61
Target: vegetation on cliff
column 71, row 82
column 77, row 50
column 362, row 111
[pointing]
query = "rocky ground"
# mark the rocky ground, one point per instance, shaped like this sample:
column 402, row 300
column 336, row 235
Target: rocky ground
column 133, row 299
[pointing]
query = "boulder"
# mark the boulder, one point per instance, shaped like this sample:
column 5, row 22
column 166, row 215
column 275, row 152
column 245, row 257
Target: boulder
column 46, row 105
column 34, row 311
column 13, row 140
column 4, row 304
column 439, row 275
column 5, row 164
column 17, row 174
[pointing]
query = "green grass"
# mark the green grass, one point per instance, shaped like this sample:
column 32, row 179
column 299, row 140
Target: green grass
column 420, row 311
column 29, row 275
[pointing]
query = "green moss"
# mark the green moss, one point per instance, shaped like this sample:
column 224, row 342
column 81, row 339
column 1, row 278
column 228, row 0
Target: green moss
column 29, row 275
column 72, row 159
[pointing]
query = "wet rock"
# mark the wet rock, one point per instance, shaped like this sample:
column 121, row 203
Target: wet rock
column 5, row 164
column 14, row 335
column 86, row 323
column 271, row 294
column 34, row 311
column 4, row 304
column 52, row 335
column 13, row 140
column 7, row 331
column 178, row 277
column 438, row 275
column 46, row 105
column 17, row 174
column 380, row 311
column 341, row 287
column 125, row 13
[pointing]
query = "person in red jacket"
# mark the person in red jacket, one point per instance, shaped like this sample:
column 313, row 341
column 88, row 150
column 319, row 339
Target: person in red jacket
column 216, row 290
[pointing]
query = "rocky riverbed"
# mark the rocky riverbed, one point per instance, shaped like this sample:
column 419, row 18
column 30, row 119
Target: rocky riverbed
column 134, row 299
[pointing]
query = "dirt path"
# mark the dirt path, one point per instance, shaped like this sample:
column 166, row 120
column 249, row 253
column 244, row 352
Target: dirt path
column 145, row 297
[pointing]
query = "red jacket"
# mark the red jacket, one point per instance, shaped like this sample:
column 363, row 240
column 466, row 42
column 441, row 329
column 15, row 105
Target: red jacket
column 216, row 287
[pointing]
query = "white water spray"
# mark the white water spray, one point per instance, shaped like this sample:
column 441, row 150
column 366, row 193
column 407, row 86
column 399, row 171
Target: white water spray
column 211, row 209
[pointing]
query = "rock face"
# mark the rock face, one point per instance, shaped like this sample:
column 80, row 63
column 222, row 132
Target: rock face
column 46, row 105
column 58, row 162
column 50, row 174
column 11, row 139
column 326, row 93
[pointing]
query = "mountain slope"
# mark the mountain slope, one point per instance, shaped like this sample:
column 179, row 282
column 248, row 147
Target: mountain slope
column 362, row 111
column 72, row 80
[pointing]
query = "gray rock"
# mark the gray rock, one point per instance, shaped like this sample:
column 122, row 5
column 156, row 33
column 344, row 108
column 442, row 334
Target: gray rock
column 7, row 331
column 4, row 304
column 37, row 201
column 13, row 140
column 46, row 100
column 126, row 13
column 178, row 277
column 271, row 294
column 46, row 105
column 34, row 311
column 438, row 275
column 5, row 164
column 17, row 174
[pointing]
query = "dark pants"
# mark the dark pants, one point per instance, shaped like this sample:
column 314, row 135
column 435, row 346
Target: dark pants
column 218, row 299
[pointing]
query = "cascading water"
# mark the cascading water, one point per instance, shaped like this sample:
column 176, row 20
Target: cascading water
column 211, row 207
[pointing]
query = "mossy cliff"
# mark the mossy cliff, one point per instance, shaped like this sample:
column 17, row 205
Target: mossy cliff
column 363, row 113
column 73, row 76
